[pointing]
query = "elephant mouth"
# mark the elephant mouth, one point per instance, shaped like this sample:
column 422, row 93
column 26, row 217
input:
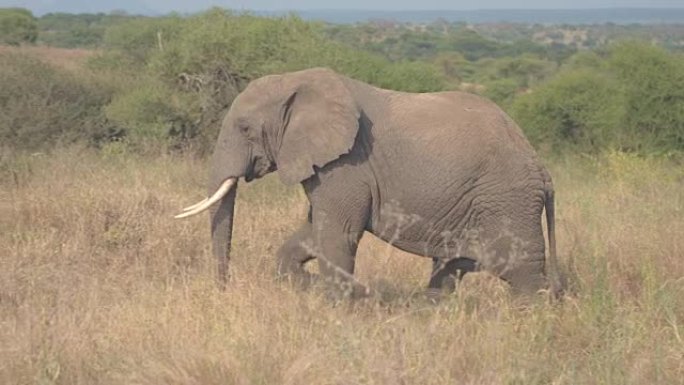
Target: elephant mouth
column 259, row 167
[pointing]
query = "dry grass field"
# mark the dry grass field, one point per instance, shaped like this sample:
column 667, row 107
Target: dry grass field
column 99, row 285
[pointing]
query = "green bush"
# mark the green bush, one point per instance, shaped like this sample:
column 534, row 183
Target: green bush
column 17, row 26
column 455, row 67
column 138, row 38
column 246, row 45
column 84, row 30
column 42, row 105
column 579, row 108
column 411, row 77
column 630, row 98
column 653, row 83
column 501, row 91
column 189, row 76
column 150, row 111
column 526, row 71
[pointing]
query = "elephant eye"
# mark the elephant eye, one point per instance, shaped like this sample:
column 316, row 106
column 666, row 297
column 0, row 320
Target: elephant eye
column 243, row 127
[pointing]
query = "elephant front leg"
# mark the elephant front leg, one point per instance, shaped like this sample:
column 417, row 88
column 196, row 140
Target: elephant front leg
column 336, row 241
column 293, row 254
column 335, row 251
column 336, row 257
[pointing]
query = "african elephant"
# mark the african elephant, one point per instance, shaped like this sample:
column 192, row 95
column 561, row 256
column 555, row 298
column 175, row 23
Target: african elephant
column 445, row 175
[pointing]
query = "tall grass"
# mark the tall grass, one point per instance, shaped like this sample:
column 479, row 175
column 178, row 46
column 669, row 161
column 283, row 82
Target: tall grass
column 98, row 285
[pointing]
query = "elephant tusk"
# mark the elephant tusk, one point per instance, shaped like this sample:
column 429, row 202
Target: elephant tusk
column 205, row 204
column 196, row 204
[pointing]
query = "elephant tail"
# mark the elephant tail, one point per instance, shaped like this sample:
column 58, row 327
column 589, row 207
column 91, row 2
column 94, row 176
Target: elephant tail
column 553, row 273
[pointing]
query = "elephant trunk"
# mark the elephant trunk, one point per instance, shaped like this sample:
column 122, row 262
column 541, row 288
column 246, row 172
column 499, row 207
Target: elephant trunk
column 222, row 234
column 221, row 222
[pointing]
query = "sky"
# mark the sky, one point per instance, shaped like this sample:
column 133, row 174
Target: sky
column 393, row 5
column 418, row 4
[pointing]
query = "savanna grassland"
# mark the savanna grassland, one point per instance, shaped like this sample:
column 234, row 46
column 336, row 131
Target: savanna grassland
column 101, row 144
column 99, row 285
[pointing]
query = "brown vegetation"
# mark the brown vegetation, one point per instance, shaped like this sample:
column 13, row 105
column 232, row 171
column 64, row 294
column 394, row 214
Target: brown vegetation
column 98, row 285
column 65, row 58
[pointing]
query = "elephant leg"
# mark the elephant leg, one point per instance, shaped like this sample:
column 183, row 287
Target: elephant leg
column 518, row 258
column 526, row 278
column 336, row 264
column 293, row 254
column 340, row 210
column 336, row 242
column 445, row 275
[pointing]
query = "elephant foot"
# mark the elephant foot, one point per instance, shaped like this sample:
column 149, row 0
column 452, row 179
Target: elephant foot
column 334, row 290
column 446, row 275
column 302, row 281
column 341, row 290
column 436, row 295
column 440, row 287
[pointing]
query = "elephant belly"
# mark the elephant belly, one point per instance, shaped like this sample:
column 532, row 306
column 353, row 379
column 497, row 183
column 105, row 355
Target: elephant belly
column 476, row 224
column 478, row 208
column 440, row 234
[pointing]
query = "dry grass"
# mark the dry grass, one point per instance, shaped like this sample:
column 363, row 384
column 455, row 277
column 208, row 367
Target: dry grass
column 99, row 286
column 64, row 58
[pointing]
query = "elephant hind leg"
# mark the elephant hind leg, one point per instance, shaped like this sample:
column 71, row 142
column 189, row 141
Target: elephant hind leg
column 519, row 260
column 293, row 254
column 445, row 274
column 526, row 278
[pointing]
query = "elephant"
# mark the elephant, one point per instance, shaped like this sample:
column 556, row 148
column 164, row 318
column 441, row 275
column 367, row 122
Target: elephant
column 445, row 175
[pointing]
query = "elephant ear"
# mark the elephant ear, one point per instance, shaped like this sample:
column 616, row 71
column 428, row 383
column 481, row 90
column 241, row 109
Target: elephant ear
column 321, row 121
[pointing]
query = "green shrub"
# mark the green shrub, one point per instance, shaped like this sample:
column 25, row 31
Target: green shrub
column 84, row 30
column 501, row 91
column 246, row 45
column 526, row 71
column 471, row 44
column 17, row 26
column 579, row 108
column 42, row 105
column 139, row 38
column 151, row 111
column 411, row 77
column 188, row 78
column 629, row 98
column 653, row 82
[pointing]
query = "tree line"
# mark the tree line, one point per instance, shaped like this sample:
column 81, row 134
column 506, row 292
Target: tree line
column 168, row 80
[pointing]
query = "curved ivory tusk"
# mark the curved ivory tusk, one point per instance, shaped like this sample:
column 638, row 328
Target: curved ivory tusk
column 196, row 204
column 218, row 195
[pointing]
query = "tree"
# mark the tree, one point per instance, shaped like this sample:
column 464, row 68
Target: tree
column 138, row 38
column 653, row 81
column 580, row 108
column 413, row 76
column 471, row 44
column 630, row 98
column 82, row 30
column 17, row 26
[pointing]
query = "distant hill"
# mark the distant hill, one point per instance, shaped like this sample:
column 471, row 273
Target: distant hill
column 548, row 16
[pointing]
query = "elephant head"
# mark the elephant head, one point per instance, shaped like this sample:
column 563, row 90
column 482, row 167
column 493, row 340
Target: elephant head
column 291, row 123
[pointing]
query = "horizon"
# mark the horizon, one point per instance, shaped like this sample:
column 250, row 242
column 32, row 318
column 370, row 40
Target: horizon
column 182, row 6
column 344, row 10
column 488, row 11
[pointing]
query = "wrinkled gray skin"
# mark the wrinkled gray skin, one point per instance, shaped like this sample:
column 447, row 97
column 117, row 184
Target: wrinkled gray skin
column 445, row 175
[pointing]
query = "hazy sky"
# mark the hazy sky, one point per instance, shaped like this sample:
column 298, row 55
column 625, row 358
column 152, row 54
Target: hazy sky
column 421, row 4
column 195, row 5
column 414, row 4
